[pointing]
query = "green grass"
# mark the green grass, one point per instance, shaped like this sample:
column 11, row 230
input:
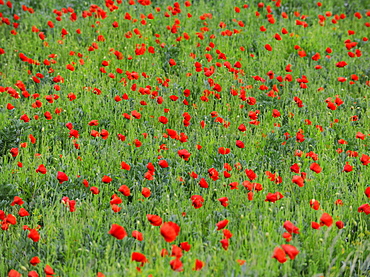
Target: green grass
column 78, row 244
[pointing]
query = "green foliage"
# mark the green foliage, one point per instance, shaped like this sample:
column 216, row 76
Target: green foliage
column 10, row 135
column 78, row 244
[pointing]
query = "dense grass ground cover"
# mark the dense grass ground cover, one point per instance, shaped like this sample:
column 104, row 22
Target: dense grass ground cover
column 211, row 138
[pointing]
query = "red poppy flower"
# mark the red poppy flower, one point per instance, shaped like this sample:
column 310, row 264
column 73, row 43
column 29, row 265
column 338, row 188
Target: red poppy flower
column 287, row 236
column 315, row 167
column 25, row 118
column 223, row 150
column 197, row 201
column 193, row 175
column 314, row 204
column 185, row 246
column 115, row 208
column 252, row 186
column 222, row 224
column 17, row 201
column 138, row 257
column 242, row 128
column 48, row 270
column 69, row 125
column 280, row 255
column 125, row 190
column 239, row 144
column 151, row 169
column 115, row 199
column 290, row 250
column 172, row 62
column 331, row 106
column 365, row 159
column 2, row 215
column 137, row 235
column 273, row 197
column 136, row 114
column 224, row 243
column 73, row 133
column 290, row 227
column 94, row 190
column 32, row 139
column 364, row 208
column 164, row 252
column 93, row 123
column 41, row 169
column 34, row 235
column 163, row 163
column 234, row 185
column 117, row 231
column 155, row 220
column 300, row 137
column 224, row 201
column 106, row 179
column 33, row 273
column 227, row 234
column 121, row 137
column 11, row 219
column 62, row 177
column 360, row 135
column 14, row 152
column 339, row 224
column 23, row 212
column 163, row 119
column 71, row 205
column 295, row 168
column 9, row 106
column 367, row 192
column 176, row 265
column 326, row 219
column 298, row 180
column 341, row 64
column 104, row 134
column 315, row 225
column 48, row 115
column 174, row 97
column 70, row 67
column 312, row 155
column 37, row 80
column 198, row 265
column 184, row 154
column 253, row 115
column 14, row 273
column 137, row 142
column 275, row 113
column 176, row 251
column 347, row 167
column 268, row 47
column 125, row 166
column 169, row 231
column 146, row 192
column 338, row 202
column 213, row 174
column 250, row 174
column 203, row 183
column 35, row 260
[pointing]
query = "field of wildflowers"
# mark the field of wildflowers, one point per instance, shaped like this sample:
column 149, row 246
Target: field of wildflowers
column 192, row 138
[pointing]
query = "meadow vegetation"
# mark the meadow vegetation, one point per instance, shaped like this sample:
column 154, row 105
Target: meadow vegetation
column 192, row 138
